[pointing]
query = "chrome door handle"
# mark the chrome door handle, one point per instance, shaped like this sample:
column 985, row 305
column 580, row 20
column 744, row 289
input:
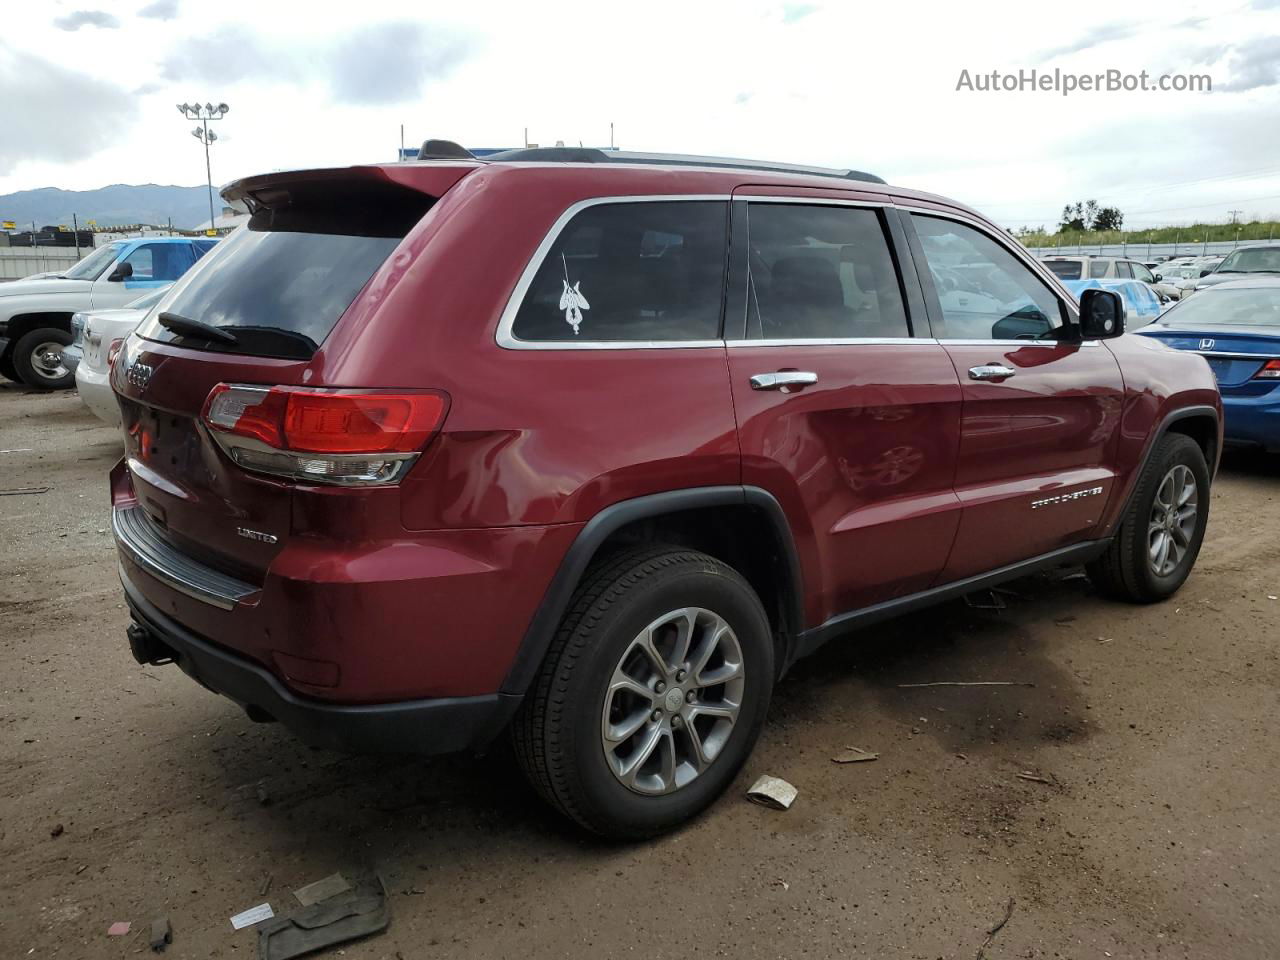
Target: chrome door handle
column 991, row 371
column 782, row 380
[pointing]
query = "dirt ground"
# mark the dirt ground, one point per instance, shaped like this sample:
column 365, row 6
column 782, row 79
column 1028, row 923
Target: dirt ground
column 1155, row 835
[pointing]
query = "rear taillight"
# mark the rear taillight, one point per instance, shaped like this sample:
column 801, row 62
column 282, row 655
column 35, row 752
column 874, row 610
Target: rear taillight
column 349, row 437
column 1270, row 371
column 113, row 351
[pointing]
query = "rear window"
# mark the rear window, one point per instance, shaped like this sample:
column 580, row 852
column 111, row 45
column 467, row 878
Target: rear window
column 1223, row 306
column 648, row 271
column 280, row 283
column 1065, row 269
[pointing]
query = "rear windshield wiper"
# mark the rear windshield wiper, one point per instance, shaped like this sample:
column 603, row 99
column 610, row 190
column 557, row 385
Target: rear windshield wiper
column 198, row 328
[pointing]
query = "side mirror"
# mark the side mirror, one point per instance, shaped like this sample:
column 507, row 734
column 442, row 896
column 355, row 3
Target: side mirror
column 123, row 271
column 1206, row 272
column 1101, row 315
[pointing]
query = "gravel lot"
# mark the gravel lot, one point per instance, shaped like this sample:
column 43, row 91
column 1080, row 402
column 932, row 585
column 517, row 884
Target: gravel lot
column 1154, row 835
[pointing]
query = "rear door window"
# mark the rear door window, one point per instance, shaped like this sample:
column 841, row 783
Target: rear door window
column 1124, row 270
column 1097, row 269
column 280, row 284
column 819, row 272
column 637, row 271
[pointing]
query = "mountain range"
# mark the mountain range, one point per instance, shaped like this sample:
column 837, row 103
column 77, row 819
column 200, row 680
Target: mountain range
column 117, row 204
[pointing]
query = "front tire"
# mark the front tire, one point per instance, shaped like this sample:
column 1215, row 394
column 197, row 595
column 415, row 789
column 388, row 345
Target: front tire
column 37, row 359
column 652, row 694
column 1160, row 536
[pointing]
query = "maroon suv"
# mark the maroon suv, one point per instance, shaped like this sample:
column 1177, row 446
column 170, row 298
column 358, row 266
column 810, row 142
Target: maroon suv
column 592, row 446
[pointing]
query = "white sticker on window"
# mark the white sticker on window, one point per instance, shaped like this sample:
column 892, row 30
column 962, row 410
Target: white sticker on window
column 572, row 302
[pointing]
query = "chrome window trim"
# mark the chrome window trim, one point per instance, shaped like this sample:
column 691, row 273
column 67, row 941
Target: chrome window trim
column 509, row 341
column 804, row 201
column 970, row 342
column 831, row 342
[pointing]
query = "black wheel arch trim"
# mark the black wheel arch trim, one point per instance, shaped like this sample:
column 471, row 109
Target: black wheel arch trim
column 1169, row 419
column 542, row 628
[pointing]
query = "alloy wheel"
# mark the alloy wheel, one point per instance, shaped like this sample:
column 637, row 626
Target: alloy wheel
column 1172, row 524
column 673, row 701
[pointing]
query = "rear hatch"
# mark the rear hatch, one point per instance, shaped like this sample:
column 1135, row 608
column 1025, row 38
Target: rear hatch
column 256, row 310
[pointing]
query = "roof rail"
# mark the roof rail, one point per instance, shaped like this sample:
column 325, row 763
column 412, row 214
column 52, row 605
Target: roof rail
column 593, row 155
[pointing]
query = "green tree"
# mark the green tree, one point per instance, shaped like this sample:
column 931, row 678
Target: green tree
column 1108, row 218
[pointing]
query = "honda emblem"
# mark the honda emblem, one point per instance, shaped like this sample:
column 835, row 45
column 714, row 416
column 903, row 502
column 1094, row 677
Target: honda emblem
column 1206, row 344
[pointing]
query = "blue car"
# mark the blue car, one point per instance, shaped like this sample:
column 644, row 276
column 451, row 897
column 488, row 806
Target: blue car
column 1236, row 327
column 1141, row 303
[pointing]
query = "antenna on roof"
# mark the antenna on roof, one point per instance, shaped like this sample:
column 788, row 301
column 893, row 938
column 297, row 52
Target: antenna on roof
column 444, row 150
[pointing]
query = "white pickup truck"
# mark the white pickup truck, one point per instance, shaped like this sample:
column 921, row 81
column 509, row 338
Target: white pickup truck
column 35, row 313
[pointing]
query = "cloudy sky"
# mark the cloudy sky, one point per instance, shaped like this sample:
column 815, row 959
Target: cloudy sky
column 87, row 91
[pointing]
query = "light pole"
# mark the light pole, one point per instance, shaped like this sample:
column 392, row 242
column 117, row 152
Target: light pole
column 194, row 111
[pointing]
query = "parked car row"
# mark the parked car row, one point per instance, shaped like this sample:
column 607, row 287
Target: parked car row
column 36, row 313
column 1173, row 278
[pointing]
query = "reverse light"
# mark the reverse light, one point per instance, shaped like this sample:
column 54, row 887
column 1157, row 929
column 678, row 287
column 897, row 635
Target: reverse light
column 347, row 437
column 1270, row 371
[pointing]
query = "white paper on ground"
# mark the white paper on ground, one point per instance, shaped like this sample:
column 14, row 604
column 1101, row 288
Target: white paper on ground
column 253, row 915
column 330, row 886
column 772, row 792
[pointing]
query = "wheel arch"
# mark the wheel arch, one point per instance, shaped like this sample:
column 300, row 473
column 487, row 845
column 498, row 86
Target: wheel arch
column 1201, row 422
column 727, row 522
column 20, row 324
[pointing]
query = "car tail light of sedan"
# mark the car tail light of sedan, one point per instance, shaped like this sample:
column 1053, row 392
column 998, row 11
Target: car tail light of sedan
column 1270, row 371
column 113, row 351
column 343, row 437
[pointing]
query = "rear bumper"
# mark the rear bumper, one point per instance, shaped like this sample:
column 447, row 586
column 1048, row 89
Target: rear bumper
column 1252, row 419
column 440, row 725
column 362, row 626
column 71, row 357
column 95, row 390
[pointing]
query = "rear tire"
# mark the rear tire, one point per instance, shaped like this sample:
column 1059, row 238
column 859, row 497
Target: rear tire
column 1159, row 537
column 652, row 694
column 33, row 359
